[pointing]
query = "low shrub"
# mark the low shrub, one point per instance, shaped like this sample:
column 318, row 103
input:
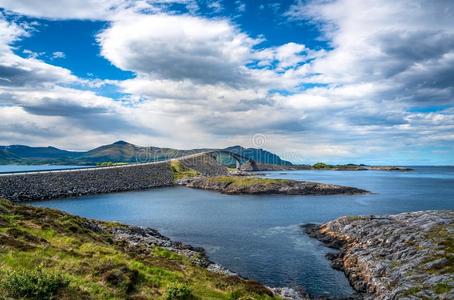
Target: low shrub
column 36, row 284
column 179, row 292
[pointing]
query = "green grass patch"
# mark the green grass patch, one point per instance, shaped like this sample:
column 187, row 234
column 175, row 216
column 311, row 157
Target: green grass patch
column 442, row 288
column 246, row 181
column 443, row 237
column 321, row 166
column 180, row 171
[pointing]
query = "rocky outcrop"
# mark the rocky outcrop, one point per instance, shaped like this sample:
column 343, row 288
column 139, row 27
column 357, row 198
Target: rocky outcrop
column 255, row 185
column 403, row 256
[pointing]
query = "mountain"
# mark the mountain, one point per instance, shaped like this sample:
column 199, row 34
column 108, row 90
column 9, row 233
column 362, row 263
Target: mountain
column 8, row 158
column 117, row 152
column 22, row 151
column 120, row 151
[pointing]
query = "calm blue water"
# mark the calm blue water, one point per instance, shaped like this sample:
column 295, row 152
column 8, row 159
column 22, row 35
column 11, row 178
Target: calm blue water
column 258, row 236
column 20, row 168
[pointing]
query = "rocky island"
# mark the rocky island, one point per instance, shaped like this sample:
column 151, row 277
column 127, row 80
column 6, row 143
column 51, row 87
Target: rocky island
column 256, row 185
column 403, row 256
column 327, row 167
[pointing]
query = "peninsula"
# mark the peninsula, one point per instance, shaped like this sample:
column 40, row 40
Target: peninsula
column 408, row 255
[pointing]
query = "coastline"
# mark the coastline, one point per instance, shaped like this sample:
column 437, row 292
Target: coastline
column 393, row 256
column 140, row 246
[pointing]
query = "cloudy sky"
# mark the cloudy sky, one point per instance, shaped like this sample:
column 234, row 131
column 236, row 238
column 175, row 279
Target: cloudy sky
column 338, row 81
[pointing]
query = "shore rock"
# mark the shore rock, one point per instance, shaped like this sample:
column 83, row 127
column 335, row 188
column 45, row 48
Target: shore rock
column 403, row 256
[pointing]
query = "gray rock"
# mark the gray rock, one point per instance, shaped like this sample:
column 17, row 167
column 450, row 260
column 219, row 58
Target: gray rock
column 411, row 265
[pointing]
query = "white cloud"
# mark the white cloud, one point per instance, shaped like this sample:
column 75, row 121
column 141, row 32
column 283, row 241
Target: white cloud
column 90, row 9
column 215, row 5
column 68, row 9
column 16, row 71
column 58, row 54
column 398, row 44
column 178, row 48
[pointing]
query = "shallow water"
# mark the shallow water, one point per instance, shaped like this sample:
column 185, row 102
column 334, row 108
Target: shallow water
column 259, row 236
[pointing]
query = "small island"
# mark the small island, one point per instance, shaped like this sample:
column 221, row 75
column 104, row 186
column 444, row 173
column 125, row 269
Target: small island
column 256, row 185
column 356, row 167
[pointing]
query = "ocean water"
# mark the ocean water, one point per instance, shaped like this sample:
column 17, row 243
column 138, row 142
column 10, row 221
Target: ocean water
column 259, row 236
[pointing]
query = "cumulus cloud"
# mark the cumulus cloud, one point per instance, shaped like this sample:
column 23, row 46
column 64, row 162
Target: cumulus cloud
column 90, row 9
column 178, row 48
column 405, row 45
column 69, row 9
column 16, row 71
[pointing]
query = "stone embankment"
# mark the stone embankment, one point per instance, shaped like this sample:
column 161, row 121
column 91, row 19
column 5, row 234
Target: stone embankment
column 255, row 185
column 34, row 186
column 403, row 256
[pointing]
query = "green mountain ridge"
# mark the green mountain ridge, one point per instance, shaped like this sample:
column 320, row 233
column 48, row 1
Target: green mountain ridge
column 119, row 152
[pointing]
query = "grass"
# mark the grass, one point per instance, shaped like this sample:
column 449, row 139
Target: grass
column 47, row 254
column 37, row 284
column 180, row 171
column 245, row 181
column 319, row 166
column 440, row 235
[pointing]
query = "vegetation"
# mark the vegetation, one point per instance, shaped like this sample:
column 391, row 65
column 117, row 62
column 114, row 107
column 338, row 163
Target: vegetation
column 47, row 254
column 245, row 181
column 37, row 284
column 180, row 171
column 346, row 167
column 181, row 292
column 442, row 236
column 321, row 165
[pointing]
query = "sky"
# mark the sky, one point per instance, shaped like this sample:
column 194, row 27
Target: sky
column 339, row 81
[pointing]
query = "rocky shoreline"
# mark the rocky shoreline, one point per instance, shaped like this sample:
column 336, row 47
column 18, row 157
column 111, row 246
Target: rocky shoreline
column 403, row 256
column 255, row 185
column 108, row 258
column 143, row 240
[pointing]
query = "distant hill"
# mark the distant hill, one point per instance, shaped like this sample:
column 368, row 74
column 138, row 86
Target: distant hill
column 22, row 151
column 8, row 158
column 120, row 151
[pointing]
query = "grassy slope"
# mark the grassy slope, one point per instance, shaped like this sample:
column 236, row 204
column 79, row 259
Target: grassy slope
column 95, row 267
column 180, row 171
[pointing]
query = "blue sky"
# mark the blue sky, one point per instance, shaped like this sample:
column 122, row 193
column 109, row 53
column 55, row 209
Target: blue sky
column 336, row 81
